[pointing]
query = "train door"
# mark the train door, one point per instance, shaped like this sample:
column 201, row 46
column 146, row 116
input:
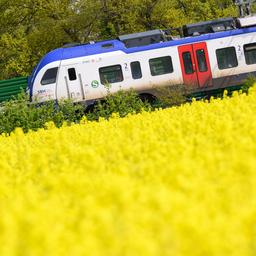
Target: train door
column 72, row 86
column 195, row 65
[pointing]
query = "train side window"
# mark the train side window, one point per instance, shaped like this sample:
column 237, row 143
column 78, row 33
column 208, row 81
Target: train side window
column 72, row 74
column 226, row 58
column 201, row 60
column 250, row 53
column 188, row 65
column 111, row 74
column 136, row 70
column 49, row 76
column 161, row 66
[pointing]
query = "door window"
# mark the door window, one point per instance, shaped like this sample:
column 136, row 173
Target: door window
column 188, row 65
column 72, row 74
column 201, row 60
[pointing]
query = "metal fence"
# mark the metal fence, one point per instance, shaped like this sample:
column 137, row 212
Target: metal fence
column 12, row 87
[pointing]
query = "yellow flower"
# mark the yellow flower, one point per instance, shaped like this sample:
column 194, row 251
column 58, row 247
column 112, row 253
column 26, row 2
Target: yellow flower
column 179, row 181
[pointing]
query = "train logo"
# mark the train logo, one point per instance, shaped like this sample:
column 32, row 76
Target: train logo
column 95, row 84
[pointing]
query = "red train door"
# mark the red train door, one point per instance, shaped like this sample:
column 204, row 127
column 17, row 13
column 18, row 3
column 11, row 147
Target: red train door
column 195, row 65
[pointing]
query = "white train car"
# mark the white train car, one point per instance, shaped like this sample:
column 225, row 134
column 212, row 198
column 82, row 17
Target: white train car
column 211, row 55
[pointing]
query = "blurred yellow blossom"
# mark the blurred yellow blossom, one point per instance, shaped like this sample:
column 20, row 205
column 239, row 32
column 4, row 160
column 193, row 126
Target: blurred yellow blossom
column 178, row 182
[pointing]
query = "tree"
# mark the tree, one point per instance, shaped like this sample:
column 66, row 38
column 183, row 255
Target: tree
column 31, row 28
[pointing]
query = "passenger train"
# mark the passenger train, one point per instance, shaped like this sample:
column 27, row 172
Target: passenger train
column 208, row 56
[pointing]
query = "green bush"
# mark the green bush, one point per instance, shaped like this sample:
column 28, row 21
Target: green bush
column 172, row 95
column 121, row 102
column 249, row 82
column 19, row 112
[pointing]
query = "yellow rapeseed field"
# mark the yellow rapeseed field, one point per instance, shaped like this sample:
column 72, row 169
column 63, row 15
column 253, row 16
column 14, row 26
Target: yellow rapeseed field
column 180, row 181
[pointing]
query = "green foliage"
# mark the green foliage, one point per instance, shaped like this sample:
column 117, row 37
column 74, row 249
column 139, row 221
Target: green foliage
column 20, row 113
column 172, row 95
column 249, row 82
column 122, row 102
column 31, row 28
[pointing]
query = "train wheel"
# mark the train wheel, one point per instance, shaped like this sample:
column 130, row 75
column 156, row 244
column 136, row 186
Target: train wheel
column 89, row 109
column 147, row 97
